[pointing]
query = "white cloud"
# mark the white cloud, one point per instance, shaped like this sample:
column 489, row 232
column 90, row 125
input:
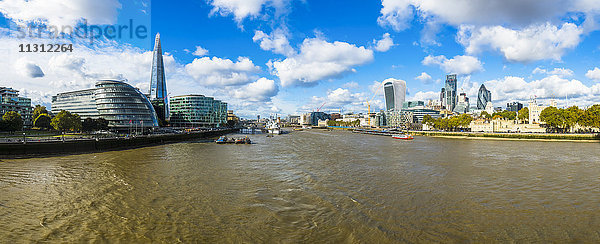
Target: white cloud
column 222, row 72
column 28, row 69
column 536, row 42
column 319, row 60
column 461, row 65
column 351, row 85
column 242, row 9
column 560, row 72
column 384, row 44
column 337, row 99
column 593, row 74
column 523, row 31
column 424, row 77
column 200, row 51
column 259, row 91
column 425, row 96
column 61, row 12
column 276, row 42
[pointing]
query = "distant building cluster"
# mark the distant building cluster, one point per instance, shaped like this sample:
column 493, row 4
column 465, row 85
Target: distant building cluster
column 11, row 101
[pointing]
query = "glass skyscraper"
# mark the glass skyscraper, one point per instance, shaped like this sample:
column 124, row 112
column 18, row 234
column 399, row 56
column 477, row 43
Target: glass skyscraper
column 158, row 84
column 395, row 93
column 483, row 97
column 450, row 90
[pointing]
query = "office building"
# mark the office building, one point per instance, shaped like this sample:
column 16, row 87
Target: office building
column 158, row 84
column 397, row 119
column 10, row 101
column 395, row 93
column 197, row 111
column 462, row 105
column 483, row 97
column 121, row 104
column 450, row 92
column 413, row 104
column 514, row 106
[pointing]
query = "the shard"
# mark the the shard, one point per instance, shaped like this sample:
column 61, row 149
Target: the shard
column 158, row 84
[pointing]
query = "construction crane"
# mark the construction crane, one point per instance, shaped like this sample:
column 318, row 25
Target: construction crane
column 321, row 107
column 369, row 106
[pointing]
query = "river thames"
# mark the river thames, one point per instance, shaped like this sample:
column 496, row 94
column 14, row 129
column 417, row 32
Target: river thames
column 309, row 186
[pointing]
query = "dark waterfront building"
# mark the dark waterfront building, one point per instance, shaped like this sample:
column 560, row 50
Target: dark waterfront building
column 514, row 106
column 450, row 95
column 316, row 116
column 121, row 104
column 158, row 84
column 11, row 101
column 483, row 97
column 197, row 111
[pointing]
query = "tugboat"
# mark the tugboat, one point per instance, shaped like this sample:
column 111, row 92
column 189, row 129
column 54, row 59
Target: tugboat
column 244, row 140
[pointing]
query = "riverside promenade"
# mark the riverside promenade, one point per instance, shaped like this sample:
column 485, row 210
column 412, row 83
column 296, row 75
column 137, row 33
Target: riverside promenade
column 33, row 148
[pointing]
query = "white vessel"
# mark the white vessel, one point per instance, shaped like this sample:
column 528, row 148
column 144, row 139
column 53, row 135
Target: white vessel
column 273, row 127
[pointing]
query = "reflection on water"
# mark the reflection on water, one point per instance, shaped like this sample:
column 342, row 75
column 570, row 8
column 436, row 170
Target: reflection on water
column 309, row 186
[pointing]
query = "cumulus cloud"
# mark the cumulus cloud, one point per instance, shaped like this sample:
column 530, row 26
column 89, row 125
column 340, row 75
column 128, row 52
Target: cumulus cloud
column 384, row 44
column 426, row 96
column 337, row 99
column 424, row 77
column 319, row 60
column 536, row 42
column 61, row 12
column 200, row 51
column 216, row 71
column 28, row 69
column 242, row 9
column 523, row 31
column 276, row 42
column 461, row 65
column 351, row 85
column 593, row 74
column 259, row 91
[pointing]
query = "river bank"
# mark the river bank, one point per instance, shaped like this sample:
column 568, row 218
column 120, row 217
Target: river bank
column 33, row 149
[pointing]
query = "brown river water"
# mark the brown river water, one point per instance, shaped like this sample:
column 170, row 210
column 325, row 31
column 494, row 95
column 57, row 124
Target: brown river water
column 307, row 187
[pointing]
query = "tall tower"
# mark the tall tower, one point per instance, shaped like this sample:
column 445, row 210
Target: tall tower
column 483, row 97
column 451, row 92
column 158, row 84
column 395, row 93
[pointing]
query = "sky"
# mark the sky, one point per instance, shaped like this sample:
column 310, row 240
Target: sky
column 267, row 57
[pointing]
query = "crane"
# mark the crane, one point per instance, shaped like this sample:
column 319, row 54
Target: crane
column 321, row 107
column 369, row 106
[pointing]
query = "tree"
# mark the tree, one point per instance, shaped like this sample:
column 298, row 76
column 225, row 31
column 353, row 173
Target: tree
column 591, row 117
column 12, row 121
column 486, row 115
column 523, row 114
column 65, row 121
column 39, row 109
column 43, row 121
column 101, row 124
column 573, row 116
column 428, row 120
column 552, row 117
column 89, row 125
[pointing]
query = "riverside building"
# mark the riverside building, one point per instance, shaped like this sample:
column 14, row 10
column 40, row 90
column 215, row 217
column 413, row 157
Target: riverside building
column 395, row 94
column 121, row 104
column 197, row 111
column 10, row 101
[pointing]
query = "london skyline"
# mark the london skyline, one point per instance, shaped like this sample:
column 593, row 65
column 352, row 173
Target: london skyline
column 290, row 57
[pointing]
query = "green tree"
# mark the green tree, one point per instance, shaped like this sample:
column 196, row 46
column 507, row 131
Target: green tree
column 553, row 118
column 486, row 115
column 101, row 124
column 89, row 125
column 12, row 121
column 428, row 120
column 523, row 114
column 43, row 122
column 39, row 109
column 573, row 115
column 66, row 121
column 591, row 117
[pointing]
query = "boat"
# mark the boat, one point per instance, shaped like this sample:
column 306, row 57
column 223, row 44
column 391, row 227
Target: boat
column 273, row 127
column 222, row 140
column 244, row 140
column 403, row 137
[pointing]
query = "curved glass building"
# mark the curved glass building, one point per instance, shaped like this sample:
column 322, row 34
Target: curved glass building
column 483, row 97
column 395, row 94
column 121, row 104
column 197, row 111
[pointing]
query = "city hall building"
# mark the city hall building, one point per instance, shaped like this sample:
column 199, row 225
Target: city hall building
column 121, row 104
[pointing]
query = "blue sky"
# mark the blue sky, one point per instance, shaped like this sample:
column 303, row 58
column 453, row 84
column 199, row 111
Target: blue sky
column 292, row 56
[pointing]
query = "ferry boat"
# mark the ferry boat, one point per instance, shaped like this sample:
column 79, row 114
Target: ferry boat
column 273, row 127
column 403, row 137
